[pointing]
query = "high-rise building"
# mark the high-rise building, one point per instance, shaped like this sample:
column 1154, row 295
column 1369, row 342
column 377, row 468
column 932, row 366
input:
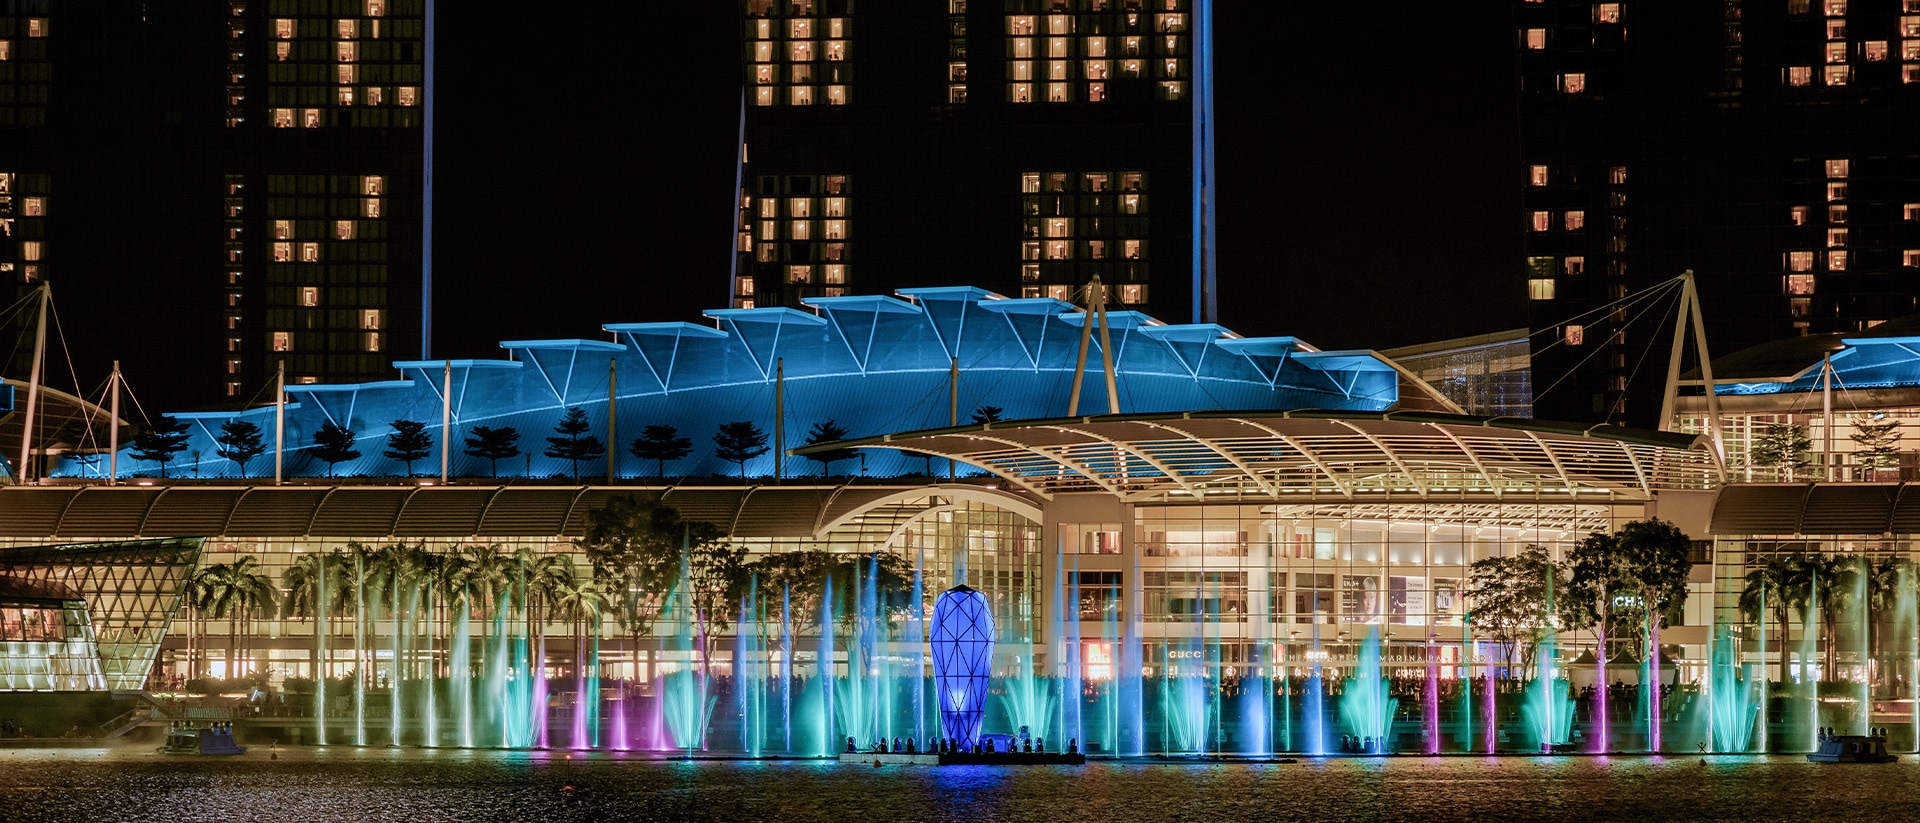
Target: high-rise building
column 1764, row 144
column 1026, row 146
column 213, row 189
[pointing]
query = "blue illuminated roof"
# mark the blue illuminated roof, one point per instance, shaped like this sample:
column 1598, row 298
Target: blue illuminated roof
column 874, row 364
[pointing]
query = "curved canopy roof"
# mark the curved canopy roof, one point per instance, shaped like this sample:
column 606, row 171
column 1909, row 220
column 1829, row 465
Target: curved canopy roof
column 869, row 364
column 1320, row 454
column 412, row 512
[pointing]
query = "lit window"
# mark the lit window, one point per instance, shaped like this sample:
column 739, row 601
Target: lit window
column 1130, row 204
column 1130, row 249
column 1799, row 261
column 1542, row 220
column 1576, row 220
column 799, row 275
column 1837, row 260
column 1540, row 289
column 1030, row 250
column 1029, row 272
column 800, row 96
column 1537, row 175
column 1836, row 191
column 1536, row 39
column 373, row 341
column 1837, row 214
column 283, row 341
column 1800, row 76
column 30, row 250
column 1836, row 52
column 1606, row 13
column 1839, row 75
column 1910, row 73
column 836, row 95
column 1576, row 264
column 1059, row 227
column 282, row 51
column 834, row 273
column 1836, row 238
column 1798, row 215
column 1060, row 292
column 346, row 95
column 36, row 27
column 1133, row 293
column 347, row 52
column 283, row 252
column 283, row 229
column 835, row 207
column 1910, row 258
column 309, row 252
column 744, row 287
column 1799, row 306
column 1573, row 83
column 1576, row 335
column 310, row 118
column 344, row 229
column 408, row 95
column 835, row 229
column 1909, row 212
column 1836, row 29
column 1029, row 291
column 1910, row 49
column 348, row 29
column 1836, row 8
column 370, row 207
column 309, row 296
column 1617, row 175
column 283, row 28
column 800, row 230
column 6, row 50
column 34, row 206
column 370, row 319
column 1874, row 50
column 1838, row 168
column 1799, row 284
column 1020, row 25
column 956, row 94
column 373, row 184
column 376, row 8
column 1059, row 250
column 283, row 118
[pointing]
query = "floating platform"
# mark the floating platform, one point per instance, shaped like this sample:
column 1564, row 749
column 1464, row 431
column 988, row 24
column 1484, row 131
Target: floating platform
column 1853, row 748
column 968, row 759
column 187, row 739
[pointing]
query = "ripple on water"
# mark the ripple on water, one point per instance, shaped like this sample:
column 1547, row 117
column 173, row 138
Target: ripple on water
column 343, row 784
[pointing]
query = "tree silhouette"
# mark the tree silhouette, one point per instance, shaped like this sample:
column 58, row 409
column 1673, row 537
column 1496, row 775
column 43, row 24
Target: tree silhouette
column 494, row 445
column 1782, row 444
column 738, row 442
column 408, row 442
column 334, row 444
column 987, row 414
column 660, row 444
column 1879, row 439
column 574, row 443
column 828, row 432
column 160, row 442
column 239, row 441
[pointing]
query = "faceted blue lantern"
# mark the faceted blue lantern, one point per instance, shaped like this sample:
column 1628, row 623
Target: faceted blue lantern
column 962, row 661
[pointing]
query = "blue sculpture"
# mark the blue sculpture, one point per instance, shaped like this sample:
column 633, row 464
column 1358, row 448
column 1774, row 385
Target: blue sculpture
column 962, row 660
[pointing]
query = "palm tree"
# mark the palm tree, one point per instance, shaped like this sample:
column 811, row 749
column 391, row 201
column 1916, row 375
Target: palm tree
column 241, row 591
column 1879, row 582
column 582, row 601
column 1829, row 584
column 1771, row 585
column 311, row 583
column 198, row 593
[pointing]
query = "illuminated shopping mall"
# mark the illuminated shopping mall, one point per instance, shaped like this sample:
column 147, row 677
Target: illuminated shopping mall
column 1192, row 541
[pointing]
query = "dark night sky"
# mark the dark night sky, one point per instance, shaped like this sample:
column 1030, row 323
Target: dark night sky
column 1368, row 193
